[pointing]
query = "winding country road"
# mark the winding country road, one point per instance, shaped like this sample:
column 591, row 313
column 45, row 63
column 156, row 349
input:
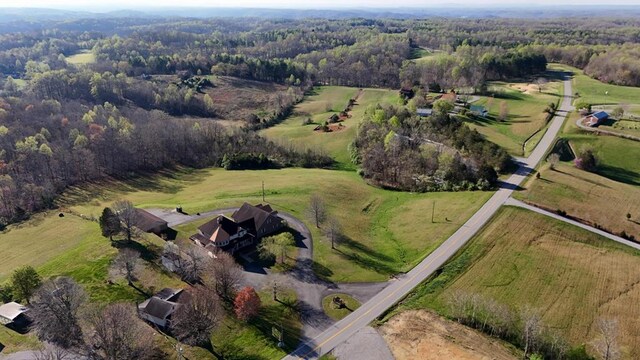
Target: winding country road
column 369, row 311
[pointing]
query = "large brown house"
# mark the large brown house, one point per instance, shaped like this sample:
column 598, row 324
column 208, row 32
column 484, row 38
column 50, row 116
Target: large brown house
column 244, row 228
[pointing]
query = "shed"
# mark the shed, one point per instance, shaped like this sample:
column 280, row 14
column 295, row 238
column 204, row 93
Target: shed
column 424, row 112
column 597, row 118
column 13, row 313
column 478, row 110
column 150, row 223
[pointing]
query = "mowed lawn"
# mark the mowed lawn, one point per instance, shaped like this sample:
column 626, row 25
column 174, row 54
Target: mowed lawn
column 82, row 58
column 385, row 231
column 596, row 92
column 319, row 106
column 572, row 276
column 525, row 105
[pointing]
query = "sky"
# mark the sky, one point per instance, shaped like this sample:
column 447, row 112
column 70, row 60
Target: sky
column 297, row 4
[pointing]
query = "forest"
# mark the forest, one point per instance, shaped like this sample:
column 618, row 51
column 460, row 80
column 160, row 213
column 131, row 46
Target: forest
column 142, row 103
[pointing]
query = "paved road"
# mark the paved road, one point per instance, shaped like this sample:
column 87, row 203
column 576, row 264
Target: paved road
column 514, row 202
column 369, row 311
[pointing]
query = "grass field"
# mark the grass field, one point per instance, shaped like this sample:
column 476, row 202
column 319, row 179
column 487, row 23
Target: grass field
column 326, row 101
column 236, row 340
column 596, row 92
column 525, row 106
column 573, row 276
column 336, row 313
column 587, row 196
column 82, row 58
column 13, row 341
column 385, row 231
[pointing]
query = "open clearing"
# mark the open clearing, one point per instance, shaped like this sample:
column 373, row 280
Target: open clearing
column 573, row 276
column 526, row 113
column 596, row 92
column 385, row 231
column 420, row 334
column 82, row 58
column 319, row 106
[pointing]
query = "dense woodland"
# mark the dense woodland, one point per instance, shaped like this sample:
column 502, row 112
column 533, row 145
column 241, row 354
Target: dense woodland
column 142, row 105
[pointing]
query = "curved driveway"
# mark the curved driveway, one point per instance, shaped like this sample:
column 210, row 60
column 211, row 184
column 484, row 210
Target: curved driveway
column 369, row 311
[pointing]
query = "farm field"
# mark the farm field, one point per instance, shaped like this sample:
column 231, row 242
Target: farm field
column 82, row 58
column 319, row 106
column 385, row 232
column 526, row 114
column 572, row 276
column 421, row 334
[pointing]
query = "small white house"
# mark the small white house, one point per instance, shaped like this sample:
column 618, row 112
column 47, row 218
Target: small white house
column 159, row 308
column 12, row 313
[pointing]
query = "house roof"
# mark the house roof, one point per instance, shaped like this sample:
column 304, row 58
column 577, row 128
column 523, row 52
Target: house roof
column 258, row 213
column 600, row 115
column 12, row 310
column 219, row 229
column 158, row 308
column 477, row 108
column 450, row 96
column 162, row 304
column 424, row 111
column 146, row 221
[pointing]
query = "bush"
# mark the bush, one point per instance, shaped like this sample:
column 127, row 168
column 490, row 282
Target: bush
column 586, row 160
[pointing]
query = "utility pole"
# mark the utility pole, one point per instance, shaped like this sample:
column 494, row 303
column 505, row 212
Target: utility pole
column 275, row 291
column 263, row 191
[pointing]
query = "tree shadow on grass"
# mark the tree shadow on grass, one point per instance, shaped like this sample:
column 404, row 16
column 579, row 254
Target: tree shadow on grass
column 149, row 253
column 619, row 174
column 365, row 257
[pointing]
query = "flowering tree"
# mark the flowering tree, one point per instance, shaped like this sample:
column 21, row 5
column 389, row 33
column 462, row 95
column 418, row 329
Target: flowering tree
column 247, row 304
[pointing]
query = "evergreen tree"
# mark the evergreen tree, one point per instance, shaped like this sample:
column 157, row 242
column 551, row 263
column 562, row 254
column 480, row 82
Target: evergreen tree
column 109, row 223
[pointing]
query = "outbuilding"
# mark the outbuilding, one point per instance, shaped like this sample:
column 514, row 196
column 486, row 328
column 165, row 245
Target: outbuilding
column 14, row 315
column 150, row 223
column 597, row 118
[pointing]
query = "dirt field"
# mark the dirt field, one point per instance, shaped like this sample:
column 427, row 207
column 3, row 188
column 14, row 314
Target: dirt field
column 420, row 334
column 236, row 99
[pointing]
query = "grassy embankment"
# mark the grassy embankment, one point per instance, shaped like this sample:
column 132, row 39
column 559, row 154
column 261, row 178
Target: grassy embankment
column 522, row 258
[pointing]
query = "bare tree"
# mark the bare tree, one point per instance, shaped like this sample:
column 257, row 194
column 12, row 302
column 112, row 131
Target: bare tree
column 606, row 345
column 541, row 82
column 127, row 263
column 554, row 160
column 128, row 216
column 504, row 111
column 117, row 333
column 193, row 266
column 317, row 209
column 195, row 319
column 531, row 329
column 333, row 231
column 223, row 275
column 55, row 307
column 52, row 353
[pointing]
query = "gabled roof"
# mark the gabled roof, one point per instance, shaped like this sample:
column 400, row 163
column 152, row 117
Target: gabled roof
column 146, row 221
column 12, row 310
column 158, row 308
column 258, row 213
column 477, row 108
column 219, row 229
